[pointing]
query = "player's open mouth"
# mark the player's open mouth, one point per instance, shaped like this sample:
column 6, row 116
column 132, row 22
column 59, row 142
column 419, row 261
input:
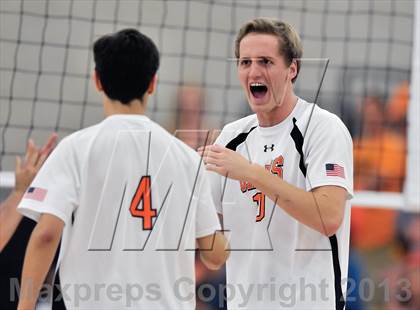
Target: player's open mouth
column 258, row 90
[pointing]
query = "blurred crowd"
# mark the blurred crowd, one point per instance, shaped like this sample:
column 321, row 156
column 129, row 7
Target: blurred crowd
column 385, row 243
column 188, row 128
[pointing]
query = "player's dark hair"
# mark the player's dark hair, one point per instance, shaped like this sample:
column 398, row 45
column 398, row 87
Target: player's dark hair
column 125, row 63
column 290, row 46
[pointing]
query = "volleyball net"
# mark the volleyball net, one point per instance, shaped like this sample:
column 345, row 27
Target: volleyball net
column 46, row 64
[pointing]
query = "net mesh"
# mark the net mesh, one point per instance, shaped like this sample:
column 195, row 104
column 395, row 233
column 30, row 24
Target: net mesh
column 46, row 64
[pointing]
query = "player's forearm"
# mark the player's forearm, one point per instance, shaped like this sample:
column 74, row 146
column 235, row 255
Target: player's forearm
column 312, row 209
column 39, row 255
column 9, row 217
column 12, row 200
column 214, row 250
column 211, row 264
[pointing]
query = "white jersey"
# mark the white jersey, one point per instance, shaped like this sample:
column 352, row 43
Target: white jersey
column 277, row 262
column 133, row 200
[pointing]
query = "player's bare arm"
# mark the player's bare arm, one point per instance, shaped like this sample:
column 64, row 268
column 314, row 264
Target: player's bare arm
column 321, row 209
column 214, row 250
column 39, row 256
column 25, row 171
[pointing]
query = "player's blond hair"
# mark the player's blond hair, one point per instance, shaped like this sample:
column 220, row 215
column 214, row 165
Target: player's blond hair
column 290, row 46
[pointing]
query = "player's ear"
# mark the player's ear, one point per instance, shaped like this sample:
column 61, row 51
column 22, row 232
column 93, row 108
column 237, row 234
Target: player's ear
column 152, row 85
column 292, row 70
column 97, row 82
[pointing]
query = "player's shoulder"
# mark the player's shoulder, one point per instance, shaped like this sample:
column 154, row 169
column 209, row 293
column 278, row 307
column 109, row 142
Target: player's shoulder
column 330, row 121
column 109, row 127
column 233, row 129
column 79, row 137
column 177, row 147
column 69, row 150
column 243, row 124
column 325, row 117
column 319, row 119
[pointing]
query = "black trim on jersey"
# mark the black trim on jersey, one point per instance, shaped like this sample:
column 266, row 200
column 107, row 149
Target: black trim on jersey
column 339, row 299
column 233, row 144
column 298, row 139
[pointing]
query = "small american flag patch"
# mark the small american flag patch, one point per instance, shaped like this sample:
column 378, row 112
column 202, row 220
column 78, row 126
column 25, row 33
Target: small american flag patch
column 35, row 193
column 334, row 170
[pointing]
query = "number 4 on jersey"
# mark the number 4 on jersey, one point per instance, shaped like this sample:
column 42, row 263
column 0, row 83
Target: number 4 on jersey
column 143, row 195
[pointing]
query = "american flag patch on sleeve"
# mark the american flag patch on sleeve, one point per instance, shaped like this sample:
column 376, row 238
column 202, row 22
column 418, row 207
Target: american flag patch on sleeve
column 35, row 193
column 334, row 170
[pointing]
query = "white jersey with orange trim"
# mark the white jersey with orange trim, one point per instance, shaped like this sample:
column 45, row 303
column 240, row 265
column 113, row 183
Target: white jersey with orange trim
column 277, row 262
column 133, row 200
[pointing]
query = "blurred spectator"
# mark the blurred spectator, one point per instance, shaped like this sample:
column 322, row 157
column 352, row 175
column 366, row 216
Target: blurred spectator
column 407, row 228
column 396, row 110
column 15, row 230
column 404, row 278
column 379, row 151
column 355, row 274
column 190, row 104
column 379, row 157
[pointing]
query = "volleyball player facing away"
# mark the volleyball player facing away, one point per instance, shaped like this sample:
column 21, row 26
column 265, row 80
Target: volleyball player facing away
column 127, row 196
column 286, row 198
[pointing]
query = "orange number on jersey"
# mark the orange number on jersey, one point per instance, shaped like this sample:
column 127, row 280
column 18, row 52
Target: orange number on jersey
column 143, row 194
column 259, row 198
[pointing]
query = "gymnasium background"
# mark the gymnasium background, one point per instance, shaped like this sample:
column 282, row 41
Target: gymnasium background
column 365, row 48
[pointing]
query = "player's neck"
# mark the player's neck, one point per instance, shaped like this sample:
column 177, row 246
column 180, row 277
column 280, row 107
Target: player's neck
column 280, row 113
column 112, row 107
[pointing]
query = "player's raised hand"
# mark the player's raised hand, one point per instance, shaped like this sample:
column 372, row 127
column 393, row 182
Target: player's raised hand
column 47, row 149
column 27, row 168
column 225, row 162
